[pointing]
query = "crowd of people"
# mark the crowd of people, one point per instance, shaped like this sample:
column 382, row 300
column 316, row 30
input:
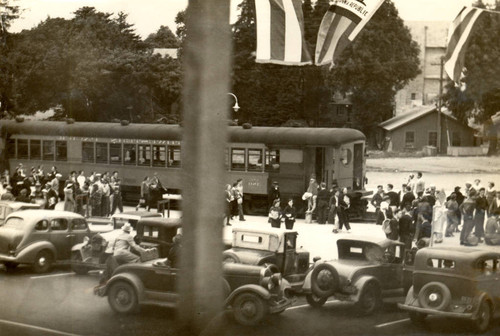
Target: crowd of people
column 97, row 194
column 418, row 211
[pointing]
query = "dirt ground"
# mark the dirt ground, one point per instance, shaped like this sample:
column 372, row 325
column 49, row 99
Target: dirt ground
column 443, row 171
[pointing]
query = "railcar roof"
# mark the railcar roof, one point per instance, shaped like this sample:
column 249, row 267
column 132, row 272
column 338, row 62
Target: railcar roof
column 268, row 135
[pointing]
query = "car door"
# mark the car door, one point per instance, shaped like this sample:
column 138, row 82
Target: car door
column 489, row 277
column 161, row 278
column 392, row 267
column 290, row 254
column 60, row 237
column 78, row 231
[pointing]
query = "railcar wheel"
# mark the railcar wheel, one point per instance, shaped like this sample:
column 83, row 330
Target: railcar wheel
column 324, row 280
column 122, row 298
column 43, row 262
column 315, row 301
column 370, row 299
column 249, row 309
column 78, row 269
column 483, row 320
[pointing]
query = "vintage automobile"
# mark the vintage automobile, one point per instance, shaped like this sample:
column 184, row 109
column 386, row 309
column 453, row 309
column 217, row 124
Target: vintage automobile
column 252, row 292
column 262, row 246
column 368, row 269
column 456, row 282
column 8, row 207
column 40, row 238
column 151, row 232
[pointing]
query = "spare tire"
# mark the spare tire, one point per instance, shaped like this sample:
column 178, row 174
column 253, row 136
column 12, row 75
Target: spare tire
column 324, row 280
column 230, row 257
column 434, row 295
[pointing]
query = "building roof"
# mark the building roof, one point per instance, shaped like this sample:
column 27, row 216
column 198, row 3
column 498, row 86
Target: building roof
column 414, row 114
column 172, row 52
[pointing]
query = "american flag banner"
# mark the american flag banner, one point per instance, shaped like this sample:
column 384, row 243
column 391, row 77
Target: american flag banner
column 340, row 26
column 280, row 32
column 458, row 37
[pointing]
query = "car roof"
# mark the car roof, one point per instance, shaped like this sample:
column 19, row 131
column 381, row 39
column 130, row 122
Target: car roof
column 382, row 242
column 456, row 252
column 266, row 230
column 27, row 214
column 160, row 221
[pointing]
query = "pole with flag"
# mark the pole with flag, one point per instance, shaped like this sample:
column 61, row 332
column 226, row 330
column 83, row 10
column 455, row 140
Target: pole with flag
column 341, row 24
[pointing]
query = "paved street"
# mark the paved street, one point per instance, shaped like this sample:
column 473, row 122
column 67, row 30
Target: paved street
column 62, row 303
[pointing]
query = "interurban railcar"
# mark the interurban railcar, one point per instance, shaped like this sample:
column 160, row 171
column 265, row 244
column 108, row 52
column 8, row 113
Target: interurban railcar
column 258, row 155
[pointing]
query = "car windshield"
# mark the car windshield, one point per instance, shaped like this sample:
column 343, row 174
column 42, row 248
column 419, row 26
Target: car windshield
column 15, row 223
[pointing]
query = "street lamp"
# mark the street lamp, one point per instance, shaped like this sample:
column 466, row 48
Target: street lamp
column 236, row 107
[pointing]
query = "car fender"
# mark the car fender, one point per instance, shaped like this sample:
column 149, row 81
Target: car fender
column 256, row 289
column 306, row 287
column 131, row 279
column 477, row 301
column 28, row 254
column 360, row 285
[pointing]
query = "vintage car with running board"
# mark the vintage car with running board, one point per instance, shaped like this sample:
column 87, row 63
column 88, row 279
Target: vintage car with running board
column 251, row 292
column 455, row 282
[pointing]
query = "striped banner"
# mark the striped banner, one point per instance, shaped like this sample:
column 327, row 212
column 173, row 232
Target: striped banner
column 458, row 37
column 340, row 26
column 280, row 32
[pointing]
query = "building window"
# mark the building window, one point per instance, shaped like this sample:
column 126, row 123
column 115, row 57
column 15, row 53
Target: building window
column 87, row 152
column 455, row 139
column 101, row 152
column 48, row 150
column 129, row 154
column 174, row 156
column 272, row 160
column 237, row 159
column 159, row 156
column 115, row 153
column 22, row 149
column 35, row 149
column 433, row 136
column 61, row 151
column 254, row 159
column 144, row 152
column 410, row 139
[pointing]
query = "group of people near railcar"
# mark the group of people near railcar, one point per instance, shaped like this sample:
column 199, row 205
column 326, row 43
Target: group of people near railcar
column 233, row 195
column 418, row 211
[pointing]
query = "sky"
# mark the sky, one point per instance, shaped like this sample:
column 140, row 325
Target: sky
column 149, row 15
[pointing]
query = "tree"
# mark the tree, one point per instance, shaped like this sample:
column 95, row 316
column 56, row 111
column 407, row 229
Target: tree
column 381, row 61
column 163, row 38
column 479, row 96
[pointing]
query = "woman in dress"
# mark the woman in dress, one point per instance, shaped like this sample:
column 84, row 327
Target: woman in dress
column 69, row 199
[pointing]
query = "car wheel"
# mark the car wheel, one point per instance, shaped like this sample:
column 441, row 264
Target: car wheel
column 315, row 301
column 78, row 269
column 43, row 262
column 434, row 295
column 483, row 320
column 249, row 309
column 230, row 258
column 417, row 318
column 10, row 266
column 370, row 299
column 324, row 280
column 122, row 297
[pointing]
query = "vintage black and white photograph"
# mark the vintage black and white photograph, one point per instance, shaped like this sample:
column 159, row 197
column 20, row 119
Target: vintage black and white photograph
column 249, row 167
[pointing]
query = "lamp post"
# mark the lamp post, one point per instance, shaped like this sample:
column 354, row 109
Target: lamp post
column 236, row 107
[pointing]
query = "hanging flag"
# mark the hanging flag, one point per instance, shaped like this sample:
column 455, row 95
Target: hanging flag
column 280, row 32
column 458, row 38
column 340, row 26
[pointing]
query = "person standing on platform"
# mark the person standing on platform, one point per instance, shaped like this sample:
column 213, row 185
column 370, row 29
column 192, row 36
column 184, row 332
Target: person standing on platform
column 52, row 197
column 377, row 199
column 494, row 207
column 480, row 214
column 274, row 193
column 408, row 198
column 275, row 214
column 312, row 189
column 452, row 218
column 8, row 195
column 106, row 193
column 69, row 198
column 323, row 198
column 406, row 228
column 239, row 200
column 467, row 209
column 343, row 210
column 419, row 184
column 95, row 200
column 144, row 200
column 228, row 195
column 289, row 213
column 117, row 197
column 490, row 195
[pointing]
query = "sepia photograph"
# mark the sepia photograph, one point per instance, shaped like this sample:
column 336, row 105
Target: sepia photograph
column 249, row 167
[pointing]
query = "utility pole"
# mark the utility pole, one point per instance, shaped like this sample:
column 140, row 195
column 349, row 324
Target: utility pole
column 440, row 102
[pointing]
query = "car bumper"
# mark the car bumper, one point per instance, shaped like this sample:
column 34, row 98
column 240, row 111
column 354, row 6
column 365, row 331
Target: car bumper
column 6, row 258
column 279, row 306
column 467, row 316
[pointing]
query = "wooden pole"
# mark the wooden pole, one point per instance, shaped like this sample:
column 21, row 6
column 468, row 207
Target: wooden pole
column 207, row 65
column 440, row 104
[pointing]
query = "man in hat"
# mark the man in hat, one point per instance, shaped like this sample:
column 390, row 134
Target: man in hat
column 274, row 193
column 8, row 196
column 123, row 244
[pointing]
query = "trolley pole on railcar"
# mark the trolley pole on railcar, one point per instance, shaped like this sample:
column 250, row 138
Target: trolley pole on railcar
column 207, row 64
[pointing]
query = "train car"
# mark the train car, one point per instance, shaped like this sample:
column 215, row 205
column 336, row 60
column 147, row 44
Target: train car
column 258, row 155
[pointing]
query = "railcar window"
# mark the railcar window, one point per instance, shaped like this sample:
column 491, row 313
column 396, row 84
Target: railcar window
column 11, row 148
column 174, row 156
column 272, row 160
column 255, row 159
column 159, row 156
column 61, row 151
column 346, row 156
column 48, row 150
column 129, row 154
column 88, row 150
column 237, row 159
column 144, row 155
column 22, row 149
column 115, row 153
column 35, row 149
column 101, row 152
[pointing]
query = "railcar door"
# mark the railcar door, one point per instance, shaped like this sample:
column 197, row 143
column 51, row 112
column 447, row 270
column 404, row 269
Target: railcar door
column 358, row 167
